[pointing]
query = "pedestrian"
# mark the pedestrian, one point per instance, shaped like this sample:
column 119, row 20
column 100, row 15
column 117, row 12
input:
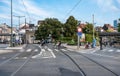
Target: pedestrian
column 87, row 46
column 59, row 44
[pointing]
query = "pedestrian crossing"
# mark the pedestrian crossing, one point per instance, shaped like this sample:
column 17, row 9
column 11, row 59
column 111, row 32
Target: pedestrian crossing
column 111, row 50
column 46, row 52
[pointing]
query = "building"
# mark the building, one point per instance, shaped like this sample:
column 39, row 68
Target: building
column 40, row 22
column 5, row 30
column 115, row 23
column 108, row 28
column 27, row 33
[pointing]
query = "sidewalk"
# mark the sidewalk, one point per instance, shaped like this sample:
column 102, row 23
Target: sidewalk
column 11, row 49
column 81, row 48
column 17, row 47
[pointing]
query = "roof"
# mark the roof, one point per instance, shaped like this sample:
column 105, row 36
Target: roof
column 109, row 34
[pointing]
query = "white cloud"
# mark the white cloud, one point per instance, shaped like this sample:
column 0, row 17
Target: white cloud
column 35, row 11
column 107, row 5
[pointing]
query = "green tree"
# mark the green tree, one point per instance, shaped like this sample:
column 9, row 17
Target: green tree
column 119, row 27
column 49, row 26
column 88, row 30
column 70, row 28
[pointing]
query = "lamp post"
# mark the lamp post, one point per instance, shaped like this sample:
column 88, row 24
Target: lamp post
column 93, row 27
column 11, row 44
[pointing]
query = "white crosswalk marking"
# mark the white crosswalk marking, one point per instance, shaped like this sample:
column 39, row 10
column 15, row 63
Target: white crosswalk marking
column 52, row 53
column 36, row 50
column 110, row 50
column 70, row 50
column 45, row 53
column 56, row 50
column 28, row 50
column 63, row 50
column 118, row 50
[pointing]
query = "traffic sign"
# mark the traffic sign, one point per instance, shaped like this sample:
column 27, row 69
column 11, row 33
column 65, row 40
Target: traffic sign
column 79, row 30
column 79, row 33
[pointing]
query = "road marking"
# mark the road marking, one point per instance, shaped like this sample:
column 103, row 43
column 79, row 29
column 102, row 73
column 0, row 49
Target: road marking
column 42, row 50
column 110, row 50
column 9, row 59
column 28, row 50
column 13, row 74
column 56, row 50
column 63, row 50
column 93, row 51
column 36, row 50
column 118, row 51
column 104, row 55
column 52, row 53
column 71, row 49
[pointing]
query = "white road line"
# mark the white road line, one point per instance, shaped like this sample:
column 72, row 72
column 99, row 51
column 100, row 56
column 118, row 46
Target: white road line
column 36, row 50
column 110, row 50
column 9, row 59
column 56, row 50
column 13, row 74
column 63, row 50
column 118, row 51
column 52, row 53
column 42, row 50
column 28, row 50
column 93, row 51
column 48, row 57
column 105, row 55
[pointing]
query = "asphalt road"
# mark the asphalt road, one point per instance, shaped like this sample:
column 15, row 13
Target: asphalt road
column 47, row 60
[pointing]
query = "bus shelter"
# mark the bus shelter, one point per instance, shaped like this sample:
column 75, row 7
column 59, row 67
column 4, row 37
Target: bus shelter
column 111, row 37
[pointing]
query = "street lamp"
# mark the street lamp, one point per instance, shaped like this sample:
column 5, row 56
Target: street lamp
column 11, row 44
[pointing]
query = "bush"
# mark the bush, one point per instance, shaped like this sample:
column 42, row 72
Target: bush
column 72, row 42
column 88, row 37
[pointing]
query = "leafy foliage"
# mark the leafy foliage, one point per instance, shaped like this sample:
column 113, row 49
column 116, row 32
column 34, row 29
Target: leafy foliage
column 119, row 27
column 70, row 28
column 49, row 26
column 66, row 32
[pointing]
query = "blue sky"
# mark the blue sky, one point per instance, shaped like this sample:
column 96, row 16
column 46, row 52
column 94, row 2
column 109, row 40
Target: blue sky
column 105, row 11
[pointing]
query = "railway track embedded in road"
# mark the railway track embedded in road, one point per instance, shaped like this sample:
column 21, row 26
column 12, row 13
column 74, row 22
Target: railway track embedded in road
column 2, row 63
column 93, row 61
column 80, row 69
column 100, row 64
column 22, row 64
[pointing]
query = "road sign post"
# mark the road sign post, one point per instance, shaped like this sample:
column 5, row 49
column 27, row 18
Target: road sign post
column 79, row 33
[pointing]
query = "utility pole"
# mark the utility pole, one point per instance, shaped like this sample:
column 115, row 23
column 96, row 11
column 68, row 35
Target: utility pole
column 25, row 32
column 19, row 25
column 93, row 27
column 11, row 40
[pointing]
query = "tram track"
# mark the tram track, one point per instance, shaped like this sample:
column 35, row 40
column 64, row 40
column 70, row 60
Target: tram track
column 89, row 60
column 100, row 65
column 17, row 68
column 74, row 62
column 28, row 58
column 13, row 57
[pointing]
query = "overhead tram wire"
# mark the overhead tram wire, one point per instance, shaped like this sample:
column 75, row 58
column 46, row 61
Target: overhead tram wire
column 26, row 11
column 73, row 8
